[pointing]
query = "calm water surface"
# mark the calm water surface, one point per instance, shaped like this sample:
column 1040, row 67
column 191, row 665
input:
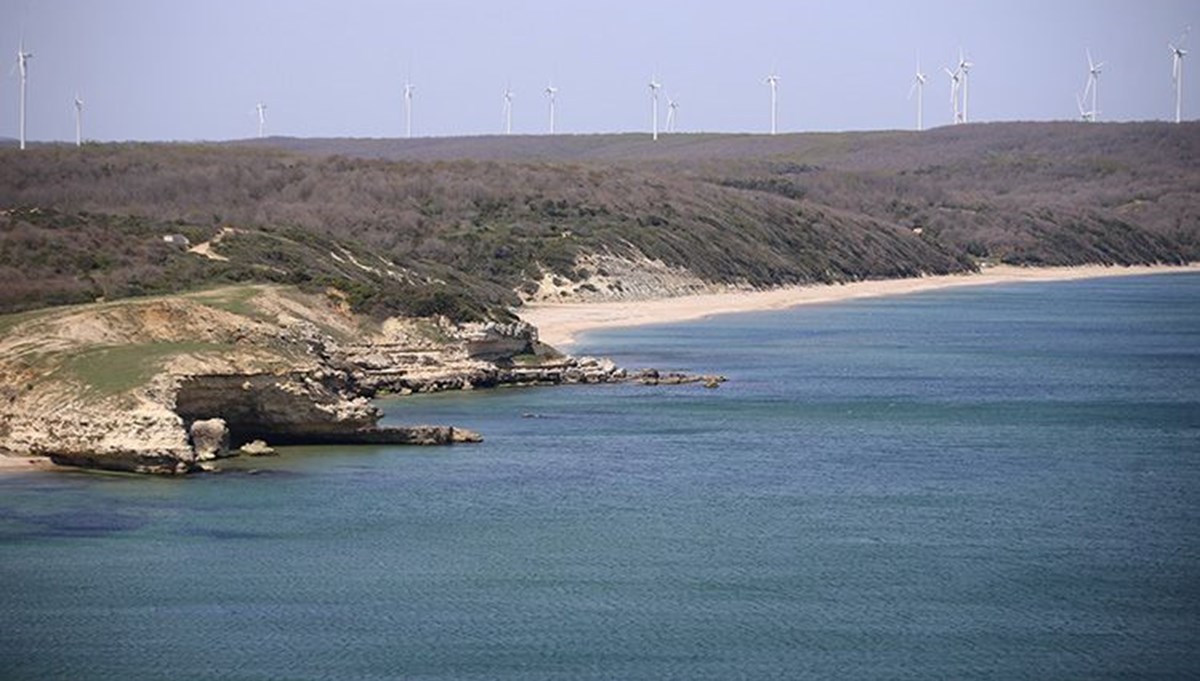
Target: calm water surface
column 996, row 483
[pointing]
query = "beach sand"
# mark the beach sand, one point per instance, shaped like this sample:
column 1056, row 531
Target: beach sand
column 560, row 324
column 17, row 464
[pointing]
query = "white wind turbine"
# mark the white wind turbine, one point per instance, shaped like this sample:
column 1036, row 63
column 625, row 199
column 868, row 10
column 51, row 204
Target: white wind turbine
column 1177, row 55
column 1093, row 81
column 262, row 117
column 23, row 58
column 773, row 81
column 78, row 121
column 508, row 97
column 918, row 86
column 408, row 97
column 655, row 86
column 955, row 81
column 672, row 107
column 551, row 91
column 964, row 68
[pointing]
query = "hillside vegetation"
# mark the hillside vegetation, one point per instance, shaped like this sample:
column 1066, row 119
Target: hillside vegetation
column 465, row 226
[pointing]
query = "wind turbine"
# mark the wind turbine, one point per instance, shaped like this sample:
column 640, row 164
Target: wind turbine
column 1177, row 55
column 1093, row 81
column 918, row 86
column 964, row 68
column 672, row 106
column 773, row 81
column 78, row 121
column 262, row 117
column 655, row 86
column 955, row 81
column 551, row 91
column 23, row 58
column 408, row 96
column 508, row 97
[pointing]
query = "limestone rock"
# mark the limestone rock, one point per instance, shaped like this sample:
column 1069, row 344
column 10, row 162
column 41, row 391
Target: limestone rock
column 210, row 439
column 258, row 448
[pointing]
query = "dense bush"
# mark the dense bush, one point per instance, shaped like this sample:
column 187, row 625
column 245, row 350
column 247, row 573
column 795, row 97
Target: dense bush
column 405, row 227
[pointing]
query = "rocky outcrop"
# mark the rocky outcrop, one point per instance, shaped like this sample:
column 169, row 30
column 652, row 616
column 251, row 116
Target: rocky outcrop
column 284, row 409
column 298, row 409
column 146, row 438
column 655, row 377
column 210, row 439
column 493, row 341
column 257, row 448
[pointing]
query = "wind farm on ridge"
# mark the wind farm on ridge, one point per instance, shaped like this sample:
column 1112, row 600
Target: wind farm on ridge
column 959, row 74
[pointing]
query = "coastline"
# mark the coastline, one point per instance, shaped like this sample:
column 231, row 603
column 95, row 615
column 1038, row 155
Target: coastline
column 560, row 324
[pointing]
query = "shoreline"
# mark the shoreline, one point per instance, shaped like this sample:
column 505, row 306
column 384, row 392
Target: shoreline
column 16, row 464
column 561, row 324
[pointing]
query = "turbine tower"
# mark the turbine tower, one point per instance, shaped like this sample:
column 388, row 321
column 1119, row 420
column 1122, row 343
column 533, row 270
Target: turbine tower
column 918, row 86
column 955, row 81
column 78, row 121
column 964, row 68
column 655, row 86
column 672, row 106
column 408, row 96
column 23, row 58
column 773, row 81
column 551, row 91
column 508, row 97
column 1177, row 55
column 1093, row 81
column 262, row 117
column 1084, row 115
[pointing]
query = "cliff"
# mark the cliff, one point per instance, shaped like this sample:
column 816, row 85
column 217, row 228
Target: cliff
column 124, row 386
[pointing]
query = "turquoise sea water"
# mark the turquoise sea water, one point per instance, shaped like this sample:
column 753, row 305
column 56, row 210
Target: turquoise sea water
column 993, row 483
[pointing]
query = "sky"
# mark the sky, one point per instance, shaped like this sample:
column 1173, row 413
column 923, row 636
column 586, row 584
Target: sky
column 195, row 69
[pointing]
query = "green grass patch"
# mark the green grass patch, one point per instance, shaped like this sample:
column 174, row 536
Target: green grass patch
column 238, row 300
column 115, row 370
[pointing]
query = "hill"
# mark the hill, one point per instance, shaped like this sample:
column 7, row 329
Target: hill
column 469, row 227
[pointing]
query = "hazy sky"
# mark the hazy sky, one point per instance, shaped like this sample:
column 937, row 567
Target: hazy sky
column 192, row 70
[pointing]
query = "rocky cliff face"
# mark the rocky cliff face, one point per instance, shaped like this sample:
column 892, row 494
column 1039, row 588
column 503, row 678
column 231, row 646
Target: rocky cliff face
column 281, row 409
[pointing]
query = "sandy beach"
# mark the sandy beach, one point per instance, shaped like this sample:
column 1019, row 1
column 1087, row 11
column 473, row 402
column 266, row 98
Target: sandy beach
column 560, row 324
column 17, row 464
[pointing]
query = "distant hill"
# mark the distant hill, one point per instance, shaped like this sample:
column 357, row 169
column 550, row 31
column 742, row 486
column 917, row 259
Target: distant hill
column 461, row 225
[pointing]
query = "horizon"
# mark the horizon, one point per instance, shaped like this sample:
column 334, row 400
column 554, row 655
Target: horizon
column 214, row 62
column 643, row 135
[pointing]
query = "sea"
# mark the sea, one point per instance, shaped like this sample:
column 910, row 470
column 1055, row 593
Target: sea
column 980, row 483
